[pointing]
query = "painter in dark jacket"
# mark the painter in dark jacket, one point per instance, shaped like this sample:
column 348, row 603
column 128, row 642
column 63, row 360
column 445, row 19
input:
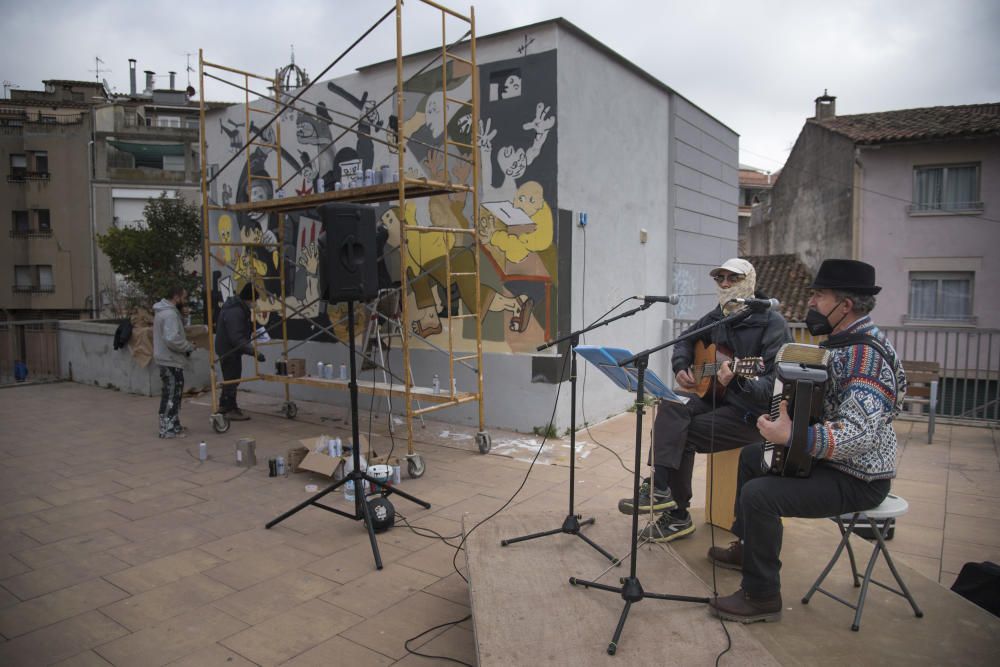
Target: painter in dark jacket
column 232, row 341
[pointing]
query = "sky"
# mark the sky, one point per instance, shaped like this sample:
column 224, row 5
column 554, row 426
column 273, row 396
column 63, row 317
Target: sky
column 755, row 65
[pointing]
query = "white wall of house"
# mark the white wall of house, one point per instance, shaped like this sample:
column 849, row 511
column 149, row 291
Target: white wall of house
column 905, row 246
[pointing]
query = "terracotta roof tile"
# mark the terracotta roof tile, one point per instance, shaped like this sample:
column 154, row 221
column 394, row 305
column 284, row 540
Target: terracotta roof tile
column 787, row 279
column 916, row 124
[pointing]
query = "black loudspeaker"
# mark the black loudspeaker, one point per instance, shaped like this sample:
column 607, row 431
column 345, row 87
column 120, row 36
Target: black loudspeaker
column 350, row 259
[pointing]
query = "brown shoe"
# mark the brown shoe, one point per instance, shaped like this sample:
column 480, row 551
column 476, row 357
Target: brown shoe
column 743, row 608
column 730, row 558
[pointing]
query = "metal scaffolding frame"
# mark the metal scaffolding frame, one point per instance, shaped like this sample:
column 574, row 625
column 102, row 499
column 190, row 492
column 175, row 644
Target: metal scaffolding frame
column 406, row 188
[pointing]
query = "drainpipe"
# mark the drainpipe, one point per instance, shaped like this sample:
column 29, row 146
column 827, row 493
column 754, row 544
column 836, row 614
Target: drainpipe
column 93, row 233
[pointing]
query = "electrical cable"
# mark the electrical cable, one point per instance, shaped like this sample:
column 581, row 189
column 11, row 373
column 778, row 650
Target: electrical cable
column 406, row 644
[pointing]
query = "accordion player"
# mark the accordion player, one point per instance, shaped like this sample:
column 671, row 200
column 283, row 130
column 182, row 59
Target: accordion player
column 801, row 374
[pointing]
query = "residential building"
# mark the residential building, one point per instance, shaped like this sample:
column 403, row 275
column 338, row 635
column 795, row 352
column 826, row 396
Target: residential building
column 599, row 182
column 755, row 189
column 81, row 159
column 915, row 192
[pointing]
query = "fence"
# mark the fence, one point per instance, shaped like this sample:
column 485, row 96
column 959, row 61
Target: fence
column 969, row 388
column 31, row 346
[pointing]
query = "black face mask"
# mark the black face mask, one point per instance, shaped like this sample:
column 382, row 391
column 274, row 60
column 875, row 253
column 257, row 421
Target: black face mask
column 819, row 324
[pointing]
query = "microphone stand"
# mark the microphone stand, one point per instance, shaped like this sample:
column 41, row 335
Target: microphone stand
column 631, row 589
column 572, row 524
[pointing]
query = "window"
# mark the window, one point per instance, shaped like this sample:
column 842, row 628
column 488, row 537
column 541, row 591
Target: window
column 24, row 278
column 50, row 120
column 946, row 188
column 41, row 162
column 21, row 224
column 173, row 163
column 131, row 119
column 944, row 295
column 168, row 121
column 44, row 225
column 18, row 166
column 45, row 281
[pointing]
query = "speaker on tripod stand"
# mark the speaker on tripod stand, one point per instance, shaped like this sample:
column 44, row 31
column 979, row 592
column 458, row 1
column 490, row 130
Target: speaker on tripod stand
column 350, row 260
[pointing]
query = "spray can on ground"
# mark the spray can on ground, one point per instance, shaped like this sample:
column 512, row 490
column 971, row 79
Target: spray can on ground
column 202, row 451
column 279, row 465
column 437, row 384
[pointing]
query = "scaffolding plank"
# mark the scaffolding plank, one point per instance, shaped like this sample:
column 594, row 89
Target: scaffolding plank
column 374, row 193
column 422, row 394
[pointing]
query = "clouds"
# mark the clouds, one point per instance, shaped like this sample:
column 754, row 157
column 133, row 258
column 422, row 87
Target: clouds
column 756, row 66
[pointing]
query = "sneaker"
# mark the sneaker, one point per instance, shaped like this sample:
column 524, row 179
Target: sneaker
column 668, row 527
column 237, row 415
column 744, row 608
column 170, row 435
column 730, row 557
column 662, row 500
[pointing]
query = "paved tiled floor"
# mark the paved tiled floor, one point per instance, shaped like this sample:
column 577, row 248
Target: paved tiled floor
column 120, row 548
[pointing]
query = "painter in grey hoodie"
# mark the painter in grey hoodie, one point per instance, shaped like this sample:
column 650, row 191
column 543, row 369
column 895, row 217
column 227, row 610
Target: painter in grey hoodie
column 170, row 350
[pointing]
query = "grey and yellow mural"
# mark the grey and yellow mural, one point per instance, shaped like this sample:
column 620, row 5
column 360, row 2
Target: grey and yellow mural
column 517, row 140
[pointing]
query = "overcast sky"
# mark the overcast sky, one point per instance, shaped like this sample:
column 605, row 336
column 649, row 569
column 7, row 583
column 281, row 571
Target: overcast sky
column 755, row 65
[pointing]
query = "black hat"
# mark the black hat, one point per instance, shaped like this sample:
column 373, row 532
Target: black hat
column 846, row 275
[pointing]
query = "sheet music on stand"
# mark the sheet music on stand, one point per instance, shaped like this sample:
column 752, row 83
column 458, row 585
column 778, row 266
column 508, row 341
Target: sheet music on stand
column 626, row 377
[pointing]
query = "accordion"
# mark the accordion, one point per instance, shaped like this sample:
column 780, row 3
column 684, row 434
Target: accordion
column 801, row 375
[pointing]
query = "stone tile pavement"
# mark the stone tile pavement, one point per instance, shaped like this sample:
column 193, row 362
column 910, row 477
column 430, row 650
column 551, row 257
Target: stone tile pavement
column 119, row 548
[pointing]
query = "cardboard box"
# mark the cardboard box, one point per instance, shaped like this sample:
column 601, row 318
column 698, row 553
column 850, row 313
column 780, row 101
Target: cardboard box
column 321, row 462
column 297, row 368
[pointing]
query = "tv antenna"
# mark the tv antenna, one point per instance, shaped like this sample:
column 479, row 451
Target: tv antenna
column 189, row 68
column 7, row 86
column 97, row 68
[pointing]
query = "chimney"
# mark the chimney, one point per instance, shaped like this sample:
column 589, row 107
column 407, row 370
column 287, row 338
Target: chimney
column 172, row 76
column 131, row 76
column 149, row 80
column 826, row 106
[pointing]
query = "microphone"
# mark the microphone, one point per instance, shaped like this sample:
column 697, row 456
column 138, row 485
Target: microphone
column 672, row 299
column 757, row 304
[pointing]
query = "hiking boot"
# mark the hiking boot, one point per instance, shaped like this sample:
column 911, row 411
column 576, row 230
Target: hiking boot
column 730, row 557
column 668, row 527
column 662, row 500
column 237, row 415
column 744, row 608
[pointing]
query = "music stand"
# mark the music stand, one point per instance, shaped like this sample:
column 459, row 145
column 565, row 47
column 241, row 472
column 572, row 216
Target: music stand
column 571, row 524
column 635, row 366
column 361, row 509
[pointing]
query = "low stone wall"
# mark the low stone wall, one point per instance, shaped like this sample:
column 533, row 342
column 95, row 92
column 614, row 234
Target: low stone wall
column 87, row 356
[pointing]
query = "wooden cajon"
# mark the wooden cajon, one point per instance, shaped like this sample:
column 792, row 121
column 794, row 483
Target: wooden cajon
column 720, row 488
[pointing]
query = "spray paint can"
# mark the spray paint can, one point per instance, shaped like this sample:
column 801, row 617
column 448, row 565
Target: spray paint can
column 272, row 467
column 343, row 371
column 437, row 384
column 319, row 369
column 280, row 466
column 202, row 451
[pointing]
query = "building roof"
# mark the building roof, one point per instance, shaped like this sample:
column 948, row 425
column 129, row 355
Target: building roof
column 787, row 279
column 70, row 82
column 756, row 179
column 916, row 124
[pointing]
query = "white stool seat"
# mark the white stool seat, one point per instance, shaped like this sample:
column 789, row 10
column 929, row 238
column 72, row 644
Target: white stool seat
column 891, row 507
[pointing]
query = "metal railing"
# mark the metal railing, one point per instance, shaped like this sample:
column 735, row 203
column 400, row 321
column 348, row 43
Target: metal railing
column 969, row 388
column 29, row 351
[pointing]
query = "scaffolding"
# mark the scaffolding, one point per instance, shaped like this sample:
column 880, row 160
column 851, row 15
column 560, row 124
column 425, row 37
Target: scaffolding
column 419, row 400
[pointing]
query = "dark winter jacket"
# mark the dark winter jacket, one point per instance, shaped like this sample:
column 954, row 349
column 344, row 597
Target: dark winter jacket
column 232, row 331
column 760, row 335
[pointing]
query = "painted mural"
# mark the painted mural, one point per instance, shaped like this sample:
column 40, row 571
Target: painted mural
column 517, row 140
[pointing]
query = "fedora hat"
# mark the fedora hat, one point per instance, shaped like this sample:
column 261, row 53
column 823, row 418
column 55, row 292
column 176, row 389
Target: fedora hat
column 847, row 275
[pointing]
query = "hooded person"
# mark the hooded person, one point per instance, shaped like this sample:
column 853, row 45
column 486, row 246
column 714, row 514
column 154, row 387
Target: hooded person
column 710, row 423
column 232, row 341
column 171, row 348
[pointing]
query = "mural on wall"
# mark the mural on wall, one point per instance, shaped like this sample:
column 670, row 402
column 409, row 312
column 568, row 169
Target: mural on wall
column 517, row 143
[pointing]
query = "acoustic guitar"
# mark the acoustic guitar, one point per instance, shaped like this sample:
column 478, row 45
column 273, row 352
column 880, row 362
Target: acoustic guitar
column 708, row 359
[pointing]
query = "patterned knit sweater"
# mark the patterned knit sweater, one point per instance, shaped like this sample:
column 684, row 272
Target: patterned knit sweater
column 861, row 402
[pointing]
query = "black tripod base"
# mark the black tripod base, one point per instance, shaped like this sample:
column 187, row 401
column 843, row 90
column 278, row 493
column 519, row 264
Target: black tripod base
column 361, row 509
column 631, row 591
column 571, row 526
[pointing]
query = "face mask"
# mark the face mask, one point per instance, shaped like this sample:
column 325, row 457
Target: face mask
column 819, row 324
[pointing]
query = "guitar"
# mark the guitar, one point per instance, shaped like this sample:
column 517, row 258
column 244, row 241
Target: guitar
column 708, row 359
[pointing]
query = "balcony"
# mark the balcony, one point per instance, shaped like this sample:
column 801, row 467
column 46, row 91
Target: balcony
column 946, row 208
column 31, row 233
column 25, row 176
column 33, row 289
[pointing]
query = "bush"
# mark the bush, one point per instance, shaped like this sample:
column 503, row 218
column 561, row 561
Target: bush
column 152, row 258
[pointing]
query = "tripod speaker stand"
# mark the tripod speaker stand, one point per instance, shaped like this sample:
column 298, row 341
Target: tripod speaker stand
column 631, row 589
column 571, row 524
column 350, row 244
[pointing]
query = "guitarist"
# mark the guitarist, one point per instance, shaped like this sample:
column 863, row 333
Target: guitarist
column 709, row 423
column 855, row 445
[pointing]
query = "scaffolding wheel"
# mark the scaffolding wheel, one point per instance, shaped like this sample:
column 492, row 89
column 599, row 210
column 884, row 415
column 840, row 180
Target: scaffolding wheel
column 415, row 466
column 484, row 441
column 290, row 410
column 220, row 424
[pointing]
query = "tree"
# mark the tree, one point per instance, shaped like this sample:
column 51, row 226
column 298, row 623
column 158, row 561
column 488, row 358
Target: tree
column 152, row 258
